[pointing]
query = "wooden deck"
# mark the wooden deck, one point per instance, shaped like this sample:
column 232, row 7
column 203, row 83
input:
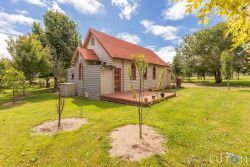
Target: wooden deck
column 126, row 98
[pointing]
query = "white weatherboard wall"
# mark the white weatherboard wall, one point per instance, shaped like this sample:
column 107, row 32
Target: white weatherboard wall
column 100, row 51
column 148, row 83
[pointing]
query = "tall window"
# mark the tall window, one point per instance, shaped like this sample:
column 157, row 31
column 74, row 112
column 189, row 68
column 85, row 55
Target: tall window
column 92, row 41
column 145, row 76
column 154, row 72
column 80, row 72
column 133, row 71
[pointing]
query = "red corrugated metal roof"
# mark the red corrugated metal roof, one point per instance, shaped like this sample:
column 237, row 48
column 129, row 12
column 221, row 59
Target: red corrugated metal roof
column 118, row 48
column 88, row 54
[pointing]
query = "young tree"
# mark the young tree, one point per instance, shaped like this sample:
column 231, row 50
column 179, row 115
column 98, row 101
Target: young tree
column 236, row 13
column 227, row 66
column 13, row 79
column 60, row 107
column 28, row 54
column 62, row 38
column 141, row 66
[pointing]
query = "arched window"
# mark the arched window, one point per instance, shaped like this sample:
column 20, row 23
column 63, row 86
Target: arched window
column 80, row 72
column 92, row 41
column 133, row 71
column 72, row 76
column 145, row 76
column 154, row 72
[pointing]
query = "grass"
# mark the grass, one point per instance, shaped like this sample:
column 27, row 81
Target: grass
column 198, row 123
column 244, row 81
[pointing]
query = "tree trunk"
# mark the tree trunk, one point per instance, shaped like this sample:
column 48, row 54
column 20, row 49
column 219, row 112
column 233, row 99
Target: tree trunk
column 47, row 82
column 59, row 109
column 228, row 84
column 217, row 77
column 13, row 96
column 238, row 75
column 56, row 82
column 140, row 109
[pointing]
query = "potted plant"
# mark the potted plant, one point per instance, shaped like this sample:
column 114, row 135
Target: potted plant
column 162, row 94
column 153, row 97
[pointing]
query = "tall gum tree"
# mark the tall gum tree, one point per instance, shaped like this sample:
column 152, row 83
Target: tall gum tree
column 62, row 39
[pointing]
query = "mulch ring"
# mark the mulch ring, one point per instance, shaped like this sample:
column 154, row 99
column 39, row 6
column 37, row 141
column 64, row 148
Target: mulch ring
column 51, row 127
column 127, row 145
column 9, row 104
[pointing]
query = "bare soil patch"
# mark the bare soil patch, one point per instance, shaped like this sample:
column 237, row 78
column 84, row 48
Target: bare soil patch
column 50, row 127
column 127, row 145
column 9, row 104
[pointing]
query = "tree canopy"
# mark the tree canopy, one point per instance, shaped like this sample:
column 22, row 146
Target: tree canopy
column 28, row 55
column 61, row 38
column 236, row 13
column 61, row 35
column 200, row 53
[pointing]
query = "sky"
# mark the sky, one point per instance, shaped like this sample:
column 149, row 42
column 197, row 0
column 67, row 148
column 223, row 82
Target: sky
column 159, row 25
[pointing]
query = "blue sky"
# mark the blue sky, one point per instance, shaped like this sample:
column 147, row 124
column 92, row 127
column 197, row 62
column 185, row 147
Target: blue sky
column 156, row 24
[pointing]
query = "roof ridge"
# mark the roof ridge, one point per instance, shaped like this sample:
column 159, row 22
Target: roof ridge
column 111, row 44
column 121, row 39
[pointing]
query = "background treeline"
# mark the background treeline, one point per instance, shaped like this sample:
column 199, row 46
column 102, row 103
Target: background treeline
column 45, row 52
column 208, row 53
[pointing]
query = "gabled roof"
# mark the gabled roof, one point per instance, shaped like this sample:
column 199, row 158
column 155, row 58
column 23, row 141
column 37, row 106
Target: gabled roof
column 87, row 54
column 117, row 48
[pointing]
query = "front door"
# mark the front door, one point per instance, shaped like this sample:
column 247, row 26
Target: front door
column 117, row 79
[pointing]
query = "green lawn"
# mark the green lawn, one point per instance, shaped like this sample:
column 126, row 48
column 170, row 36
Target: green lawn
column 243, row 81
column 199, row 122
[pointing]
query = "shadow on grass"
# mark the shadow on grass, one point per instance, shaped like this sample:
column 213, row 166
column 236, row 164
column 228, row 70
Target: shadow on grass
column 222, row 84
column 244, row 90
column 8, row 104
column 98, row 103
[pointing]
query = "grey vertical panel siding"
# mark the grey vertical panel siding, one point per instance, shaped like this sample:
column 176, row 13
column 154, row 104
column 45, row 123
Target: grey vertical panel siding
column 70, row 71
column 92, row 80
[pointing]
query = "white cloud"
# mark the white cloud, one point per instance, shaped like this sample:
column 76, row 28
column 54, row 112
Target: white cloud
column 55, row 7
column 166, row 32
column 151, row 47
column 8, row 24
column 167, row 53
column 41, row 3
column 85, row 6
column 104, row 30
column 129, row 37
column 176, row 11
column 127, row 7
column 22, row 12
column 7, row 19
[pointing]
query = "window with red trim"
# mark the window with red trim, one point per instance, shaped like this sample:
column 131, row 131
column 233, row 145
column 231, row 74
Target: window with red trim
column 154, row 72
column 92, row 41
column 133, row 71
column 80, row 72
